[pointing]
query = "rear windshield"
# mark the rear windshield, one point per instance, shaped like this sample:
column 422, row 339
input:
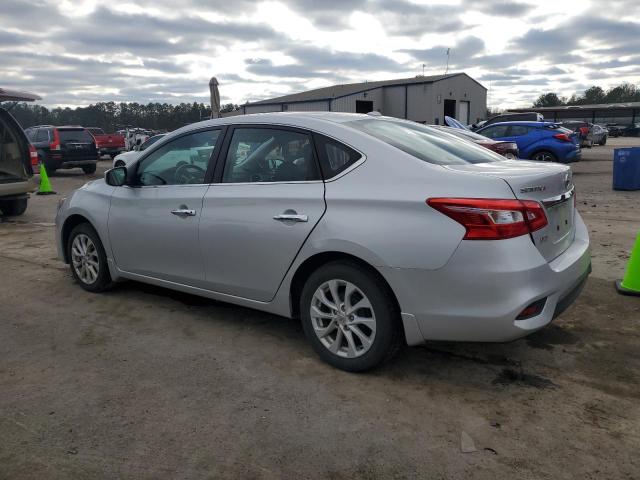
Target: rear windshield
column 428, row 144
column 75, row 135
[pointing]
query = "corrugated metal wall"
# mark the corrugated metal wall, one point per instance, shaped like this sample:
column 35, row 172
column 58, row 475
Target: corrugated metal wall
column 424, row 102
column 307, row 107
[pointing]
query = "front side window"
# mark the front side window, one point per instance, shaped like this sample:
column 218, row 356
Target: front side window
column 426, row 143
column 182, row 161
column 269, row 155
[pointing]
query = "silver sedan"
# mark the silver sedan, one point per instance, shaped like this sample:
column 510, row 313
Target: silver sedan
column 375, row 232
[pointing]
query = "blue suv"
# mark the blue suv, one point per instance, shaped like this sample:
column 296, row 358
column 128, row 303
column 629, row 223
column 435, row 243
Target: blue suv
column 543, row 141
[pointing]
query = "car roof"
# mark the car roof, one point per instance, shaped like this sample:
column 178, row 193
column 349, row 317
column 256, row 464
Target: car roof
column 524, row 124
column 7, row 95
column 293, row 119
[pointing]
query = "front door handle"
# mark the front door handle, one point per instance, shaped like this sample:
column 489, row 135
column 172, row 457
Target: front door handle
column 184, row 212
column 290, row 217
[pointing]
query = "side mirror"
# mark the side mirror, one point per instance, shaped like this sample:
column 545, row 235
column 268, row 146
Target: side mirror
column 116, row 177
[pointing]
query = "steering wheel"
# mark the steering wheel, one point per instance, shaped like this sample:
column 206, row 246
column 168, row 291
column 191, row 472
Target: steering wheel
column 189, row 173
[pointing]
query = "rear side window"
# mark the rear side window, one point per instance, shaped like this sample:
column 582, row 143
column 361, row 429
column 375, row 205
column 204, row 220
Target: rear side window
column 42, row 135
column 76, row 135
column 498, row 131
column 518, row 130
column 428, row 144
column 335, row 157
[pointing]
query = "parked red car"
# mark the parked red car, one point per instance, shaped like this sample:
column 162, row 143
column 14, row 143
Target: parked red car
column 506, row 149
column 108, row 143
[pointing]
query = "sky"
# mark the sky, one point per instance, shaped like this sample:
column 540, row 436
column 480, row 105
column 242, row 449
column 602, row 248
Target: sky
column 77, row 52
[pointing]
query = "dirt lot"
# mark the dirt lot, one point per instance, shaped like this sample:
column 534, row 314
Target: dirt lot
column 143, row 382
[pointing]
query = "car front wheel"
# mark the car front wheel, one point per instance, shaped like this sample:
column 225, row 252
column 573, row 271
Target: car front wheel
column 87, row 258
column 350, row 317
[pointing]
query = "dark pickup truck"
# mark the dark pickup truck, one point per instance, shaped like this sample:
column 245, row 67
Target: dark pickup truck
column 64, row 147
column 110, row 144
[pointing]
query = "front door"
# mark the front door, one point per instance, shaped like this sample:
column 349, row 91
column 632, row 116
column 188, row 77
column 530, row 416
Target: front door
column 153, row 223
column 255, row 219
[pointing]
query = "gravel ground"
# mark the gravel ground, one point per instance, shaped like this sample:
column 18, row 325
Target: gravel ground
column 143, row 382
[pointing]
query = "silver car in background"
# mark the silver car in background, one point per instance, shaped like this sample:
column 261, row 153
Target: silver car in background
column 373, row 231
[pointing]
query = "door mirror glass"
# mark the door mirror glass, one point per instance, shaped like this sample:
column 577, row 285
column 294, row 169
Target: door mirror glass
column 116, row 177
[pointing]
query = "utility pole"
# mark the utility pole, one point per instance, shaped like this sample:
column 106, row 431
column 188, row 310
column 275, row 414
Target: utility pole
column 448, row 55
column 423, row 65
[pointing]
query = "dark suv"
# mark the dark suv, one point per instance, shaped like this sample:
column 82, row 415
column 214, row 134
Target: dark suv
column 64, row 147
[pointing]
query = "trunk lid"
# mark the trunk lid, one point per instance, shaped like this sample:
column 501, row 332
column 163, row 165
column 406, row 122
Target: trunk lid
column 550, row 184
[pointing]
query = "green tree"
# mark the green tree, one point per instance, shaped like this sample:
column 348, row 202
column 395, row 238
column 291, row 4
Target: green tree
column 593, row 95
column 548, row 100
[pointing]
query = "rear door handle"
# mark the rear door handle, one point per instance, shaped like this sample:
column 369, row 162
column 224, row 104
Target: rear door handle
column 184, row 212
column 289, row 217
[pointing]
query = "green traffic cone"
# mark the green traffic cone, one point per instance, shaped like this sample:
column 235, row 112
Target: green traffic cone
column 45, row 184
column 630, row 284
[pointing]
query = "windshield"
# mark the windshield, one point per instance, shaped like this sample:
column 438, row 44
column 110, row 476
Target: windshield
column 76, row 135
column 428, row 144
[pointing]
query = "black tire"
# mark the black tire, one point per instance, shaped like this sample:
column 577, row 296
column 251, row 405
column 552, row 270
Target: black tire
column 49, row 165
column 103, row 280
column 388, row 337
column 603, row 141
column 89, row 169
column 13, row 208
column 544, row 156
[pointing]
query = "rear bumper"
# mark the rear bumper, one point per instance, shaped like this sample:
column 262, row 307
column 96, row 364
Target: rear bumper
column 573, row 156
column 77, row 163
column 14, row 190
column 111, row 150
column 485, row 285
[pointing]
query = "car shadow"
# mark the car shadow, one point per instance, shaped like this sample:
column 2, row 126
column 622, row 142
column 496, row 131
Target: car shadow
column 471, row 365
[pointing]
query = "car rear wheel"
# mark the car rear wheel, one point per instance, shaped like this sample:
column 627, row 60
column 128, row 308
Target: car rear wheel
column 544, row 156
column 350, row 317
column 87, row 258
column 603, row 141
column 13, row 208
column 89, row 169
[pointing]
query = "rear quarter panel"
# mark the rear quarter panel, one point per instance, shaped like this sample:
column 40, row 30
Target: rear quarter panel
column 378, row 211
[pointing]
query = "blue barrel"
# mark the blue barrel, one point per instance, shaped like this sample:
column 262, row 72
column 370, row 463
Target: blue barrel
column 626, row 168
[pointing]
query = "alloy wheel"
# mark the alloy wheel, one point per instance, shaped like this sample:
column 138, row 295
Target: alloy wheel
column 85, row 260
column 343, row 318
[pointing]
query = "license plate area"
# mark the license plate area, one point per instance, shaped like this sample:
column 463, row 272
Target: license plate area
column 561, row 220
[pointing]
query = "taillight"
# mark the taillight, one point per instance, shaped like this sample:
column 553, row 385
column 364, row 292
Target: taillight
column 563, row 137
column 55, row 143
column 492, row 219
column 33, row 155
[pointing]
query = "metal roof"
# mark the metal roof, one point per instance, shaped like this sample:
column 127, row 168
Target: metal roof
column 597, row 106
column 344, row 90
column 16, row 96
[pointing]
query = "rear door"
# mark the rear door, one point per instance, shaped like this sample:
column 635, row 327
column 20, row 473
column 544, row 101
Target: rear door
column 523, row 135
column 267, row 199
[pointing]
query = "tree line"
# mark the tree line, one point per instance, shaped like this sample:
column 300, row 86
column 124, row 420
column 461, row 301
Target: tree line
column 625, row 92
column 112, row 116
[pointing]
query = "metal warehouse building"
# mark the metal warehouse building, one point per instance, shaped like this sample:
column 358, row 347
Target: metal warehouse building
column 421, row 99
column 621, row 113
